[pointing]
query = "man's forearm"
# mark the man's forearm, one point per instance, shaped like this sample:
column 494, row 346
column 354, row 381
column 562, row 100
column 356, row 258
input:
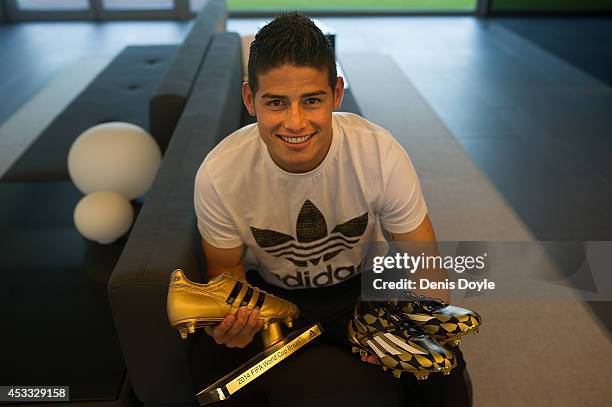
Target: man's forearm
column 422, row 241
column 430, row 272
column 219, row 261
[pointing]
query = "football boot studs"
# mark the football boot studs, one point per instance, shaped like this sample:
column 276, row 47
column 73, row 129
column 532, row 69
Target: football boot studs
column 445, row 323
column 192, row 305
column 400, row 346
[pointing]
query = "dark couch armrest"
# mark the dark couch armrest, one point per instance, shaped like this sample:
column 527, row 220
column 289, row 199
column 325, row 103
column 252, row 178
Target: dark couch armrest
column 168, row 101
column 165, row 236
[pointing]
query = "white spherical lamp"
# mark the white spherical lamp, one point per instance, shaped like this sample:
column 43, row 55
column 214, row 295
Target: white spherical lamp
column 114, row 156
column 103, row 216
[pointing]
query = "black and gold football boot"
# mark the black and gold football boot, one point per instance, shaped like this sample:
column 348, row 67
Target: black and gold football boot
column 444, row 322
column 192, row 305
column 399, row 345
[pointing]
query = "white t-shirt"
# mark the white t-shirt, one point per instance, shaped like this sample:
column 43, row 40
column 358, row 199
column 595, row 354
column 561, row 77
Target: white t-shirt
column 310, row 229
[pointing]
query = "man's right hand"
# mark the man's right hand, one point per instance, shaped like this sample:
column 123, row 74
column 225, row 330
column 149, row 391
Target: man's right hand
column 237, row 331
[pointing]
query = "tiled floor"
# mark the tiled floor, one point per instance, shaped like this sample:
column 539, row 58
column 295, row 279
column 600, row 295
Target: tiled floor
column 540, row 128
column 567, row 39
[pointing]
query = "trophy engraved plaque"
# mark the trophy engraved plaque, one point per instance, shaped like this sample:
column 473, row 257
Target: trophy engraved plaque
column 258, row 365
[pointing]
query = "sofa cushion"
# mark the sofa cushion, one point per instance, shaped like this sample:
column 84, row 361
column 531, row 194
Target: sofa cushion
column 119, row 93
column 168, row 101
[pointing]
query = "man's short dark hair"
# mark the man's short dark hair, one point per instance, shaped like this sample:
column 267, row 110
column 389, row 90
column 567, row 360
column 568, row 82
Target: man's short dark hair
column 293, row 39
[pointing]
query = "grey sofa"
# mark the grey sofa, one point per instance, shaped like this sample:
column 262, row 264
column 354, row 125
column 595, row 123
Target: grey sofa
column 165, row 237
column 170, row 97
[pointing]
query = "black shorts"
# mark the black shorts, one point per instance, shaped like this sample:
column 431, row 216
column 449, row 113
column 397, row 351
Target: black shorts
column 325, row 372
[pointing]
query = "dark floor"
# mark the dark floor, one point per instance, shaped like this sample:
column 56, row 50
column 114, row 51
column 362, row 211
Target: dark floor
column 528, row 99
column 58, row 329
column 582, row 42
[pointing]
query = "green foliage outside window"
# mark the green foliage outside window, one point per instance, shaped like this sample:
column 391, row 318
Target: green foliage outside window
column 425, row 5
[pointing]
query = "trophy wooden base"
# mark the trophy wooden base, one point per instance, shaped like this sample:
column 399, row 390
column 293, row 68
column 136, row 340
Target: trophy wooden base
column 258, row 365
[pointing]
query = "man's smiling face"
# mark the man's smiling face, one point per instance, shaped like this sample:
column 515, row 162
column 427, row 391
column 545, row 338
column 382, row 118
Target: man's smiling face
column 294, row 106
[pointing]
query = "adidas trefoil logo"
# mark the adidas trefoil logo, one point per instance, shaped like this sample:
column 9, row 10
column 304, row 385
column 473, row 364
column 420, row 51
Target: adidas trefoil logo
column 313, row 242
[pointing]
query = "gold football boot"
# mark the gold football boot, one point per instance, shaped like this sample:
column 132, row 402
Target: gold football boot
column 444, row 322
column 398, row 345
column 192, row 305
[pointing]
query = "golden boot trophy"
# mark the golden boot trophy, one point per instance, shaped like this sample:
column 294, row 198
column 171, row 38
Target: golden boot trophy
column 191, row 305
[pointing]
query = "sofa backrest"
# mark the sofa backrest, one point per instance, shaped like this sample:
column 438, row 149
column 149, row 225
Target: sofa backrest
column 165, row 236
column 168, row 101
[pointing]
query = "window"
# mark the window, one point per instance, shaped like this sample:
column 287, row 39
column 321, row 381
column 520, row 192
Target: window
column 138, row 4
column 348, row 5
column 35, row 5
